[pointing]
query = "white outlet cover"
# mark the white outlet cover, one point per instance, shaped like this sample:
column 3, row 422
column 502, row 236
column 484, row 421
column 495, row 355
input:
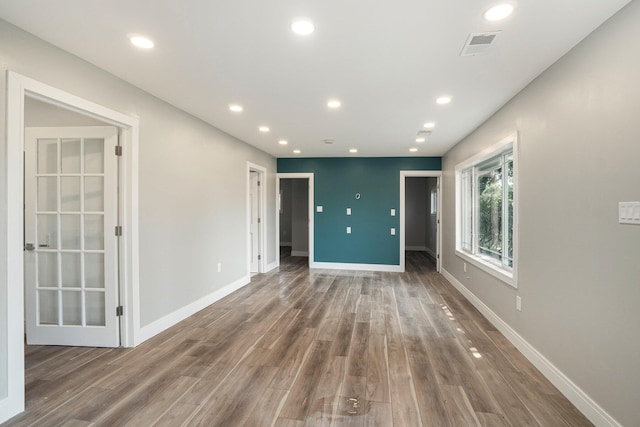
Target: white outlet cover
column 393, row 231
column 629, row 213
column 393, row 212
column 318, row 208
column 348, row 211
column 348, row 230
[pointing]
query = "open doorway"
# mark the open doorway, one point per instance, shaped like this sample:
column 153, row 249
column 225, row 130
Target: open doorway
column 12, row 287
column 295, row 216
column 420, row 222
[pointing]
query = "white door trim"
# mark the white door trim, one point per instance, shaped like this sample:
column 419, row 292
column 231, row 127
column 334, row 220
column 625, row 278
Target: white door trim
column 420, row 174
column 12, row 284
column 308, row 176
column 262, row 195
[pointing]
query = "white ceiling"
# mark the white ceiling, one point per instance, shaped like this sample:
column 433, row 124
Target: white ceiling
column 387, row 61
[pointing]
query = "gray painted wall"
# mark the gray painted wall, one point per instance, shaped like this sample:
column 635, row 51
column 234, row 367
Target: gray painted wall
column 192, row 182
column 37, row 113
column 579, row 133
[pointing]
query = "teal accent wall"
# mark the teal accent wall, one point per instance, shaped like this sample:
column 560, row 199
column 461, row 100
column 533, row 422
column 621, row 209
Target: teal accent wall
column 337, row 180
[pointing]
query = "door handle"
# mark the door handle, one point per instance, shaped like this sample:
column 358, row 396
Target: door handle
column 29, row 247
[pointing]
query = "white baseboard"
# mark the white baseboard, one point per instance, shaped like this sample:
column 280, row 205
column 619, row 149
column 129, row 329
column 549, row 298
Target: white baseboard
column 179, row 315
column 271, row 266
column 285, row 243
column 10, row 407
column 416, row 248
column 299, row 253
column 358, row 267
column 585, row 404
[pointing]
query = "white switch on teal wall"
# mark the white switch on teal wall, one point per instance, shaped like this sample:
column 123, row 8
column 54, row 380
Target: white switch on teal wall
column 318, row 208
column 348, row 230
column 393, row 212
column 348, row 211
column 393, row 231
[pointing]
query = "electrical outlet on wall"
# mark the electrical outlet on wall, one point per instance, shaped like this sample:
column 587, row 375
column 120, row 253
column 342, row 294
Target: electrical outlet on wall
column 464, row 265
column 518, row 303
column 219, row 267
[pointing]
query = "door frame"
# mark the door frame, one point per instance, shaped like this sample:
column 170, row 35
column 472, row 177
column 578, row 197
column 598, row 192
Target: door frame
column 12, row 283
column 262, row 197
column 420, row 174
column 303, row 175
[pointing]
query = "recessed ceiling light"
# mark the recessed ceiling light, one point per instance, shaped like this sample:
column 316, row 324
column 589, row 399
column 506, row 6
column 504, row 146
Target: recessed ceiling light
column 302, row 26
column 429, row 125
column 498, row 12
column 141, row 41
column 264, row 129
column 235, row 108
column 353, row 150
column 283, row 142
column 296, row 151
column 413, row 150
column 334, row 103
column 443, row 100
column 420, row 139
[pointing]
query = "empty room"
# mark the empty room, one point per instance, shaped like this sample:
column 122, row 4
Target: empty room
column 414, row 213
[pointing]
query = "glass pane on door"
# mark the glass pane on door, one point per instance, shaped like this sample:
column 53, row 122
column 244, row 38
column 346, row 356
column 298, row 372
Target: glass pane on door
column 47, row 231
column 94, row 194
column 70, row 194
column 94, row 270
column 95, row 308
column 48, row 307
column 70, row 150
column 47, row 155
column 70, row 229
column 71, row 270
column 48, row 269
column 93, row 155
column 47, row 197
column 72, row 308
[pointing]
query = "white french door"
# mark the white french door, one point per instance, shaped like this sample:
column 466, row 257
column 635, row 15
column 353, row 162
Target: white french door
column 71, row 259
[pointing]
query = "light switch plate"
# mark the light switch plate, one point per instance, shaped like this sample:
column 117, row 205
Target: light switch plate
column 393, row 231
column 348, row 211
column 629, row 213
column 348, row 230
column 393, row 212
column 318, row 208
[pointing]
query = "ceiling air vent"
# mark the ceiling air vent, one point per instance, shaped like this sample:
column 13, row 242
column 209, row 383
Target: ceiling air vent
column 479, row 43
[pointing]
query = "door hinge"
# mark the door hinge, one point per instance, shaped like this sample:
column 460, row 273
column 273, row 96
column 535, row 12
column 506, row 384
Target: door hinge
column 119, row 311
column 258, row 183
column 258, row 220
column 438, row 256
column 259, row 257
column 118, row 230
column 118, row 150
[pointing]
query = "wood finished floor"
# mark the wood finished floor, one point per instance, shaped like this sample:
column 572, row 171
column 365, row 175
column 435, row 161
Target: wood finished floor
column 298, row 348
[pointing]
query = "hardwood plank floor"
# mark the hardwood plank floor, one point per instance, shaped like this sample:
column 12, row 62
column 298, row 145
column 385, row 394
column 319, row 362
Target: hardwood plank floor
column 306, row 348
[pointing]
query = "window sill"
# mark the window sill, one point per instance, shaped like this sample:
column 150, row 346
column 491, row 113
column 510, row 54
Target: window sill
column 507, row 277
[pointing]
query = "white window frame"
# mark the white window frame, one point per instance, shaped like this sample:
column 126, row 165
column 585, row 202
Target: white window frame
column 504, row 273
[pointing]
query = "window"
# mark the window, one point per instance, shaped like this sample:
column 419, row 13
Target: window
column 485, row 210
